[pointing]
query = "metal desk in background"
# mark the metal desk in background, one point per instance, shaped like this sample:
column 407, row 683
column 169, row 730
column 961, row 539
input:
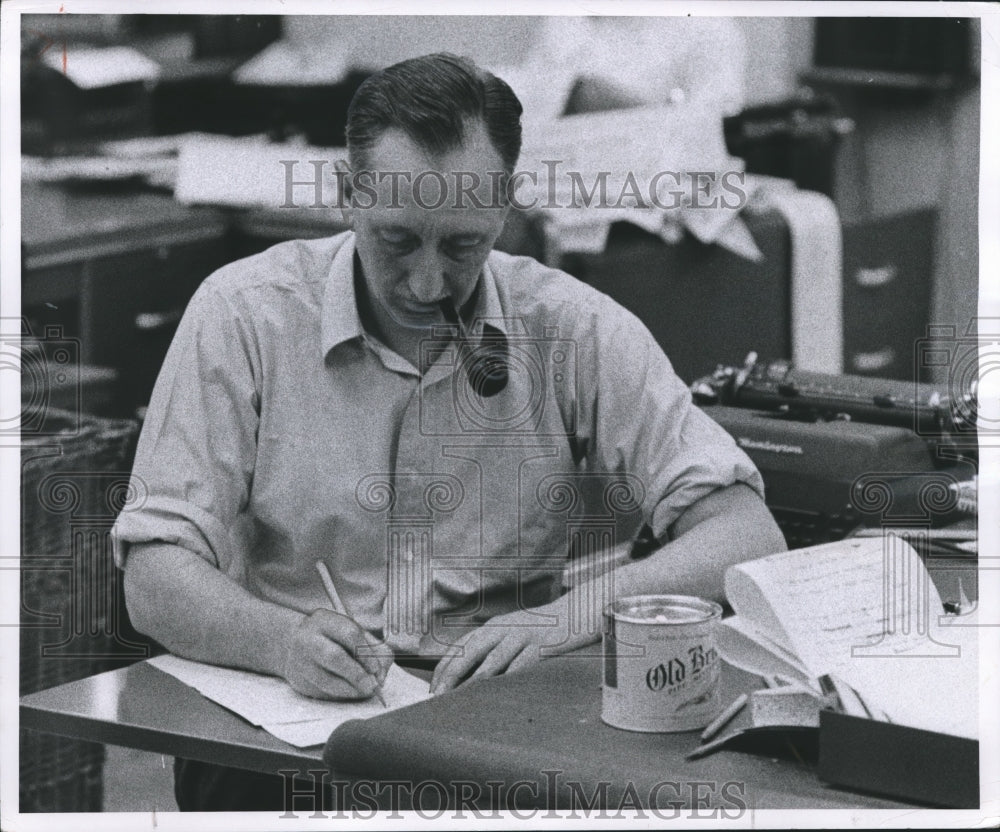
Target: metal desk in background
column 114, row 270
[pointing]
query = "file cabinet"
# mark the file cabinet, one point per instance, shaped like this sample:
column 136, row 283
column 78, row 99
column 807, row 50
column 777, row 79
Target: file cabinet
column 888, row 273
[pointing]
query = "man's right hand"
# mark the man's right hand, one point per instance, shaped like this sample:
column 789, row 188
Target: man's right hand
column 200, row 613
column 331, row 657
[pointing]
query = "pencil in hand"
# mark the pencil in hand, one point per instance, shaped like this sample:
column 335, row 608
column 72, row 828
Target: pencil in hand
column 338, row 607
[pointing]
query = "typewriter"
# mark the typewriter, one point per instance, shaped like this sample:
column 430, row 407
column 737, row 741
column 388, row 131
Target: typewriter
column 840, row 451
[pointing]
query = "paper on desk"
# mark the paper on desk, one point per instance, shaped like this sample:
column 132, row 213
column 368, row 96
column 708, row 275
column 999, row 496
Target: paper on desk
column 743, row 647
column 269, row 702
column 866, row 612
column 248, row 172
column 285, row 63
column 91, row 68
column 400, row 689
column 314, row 731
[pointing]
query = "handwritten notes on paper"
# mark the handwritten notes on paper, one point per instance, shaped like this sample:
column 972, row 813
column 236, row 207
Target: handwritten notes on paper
column 271, row 704
column 865, row 612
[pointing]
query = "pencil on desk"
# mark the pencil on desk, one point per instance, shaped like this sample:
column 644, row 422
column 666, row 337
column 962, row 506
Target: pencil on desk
column 708, row 748
column 338, row 605
column 719, row 722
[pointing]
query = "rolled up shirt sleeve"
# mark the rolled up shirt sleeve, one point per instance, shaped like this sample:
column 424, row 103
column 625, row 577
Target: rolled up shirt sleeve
column 195, row 459
column 644, row 422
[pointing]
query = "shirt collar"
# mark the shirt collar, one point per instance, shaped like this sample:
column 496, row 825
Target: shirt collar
column 339, row 317
column 487, row 310
column 340, row 321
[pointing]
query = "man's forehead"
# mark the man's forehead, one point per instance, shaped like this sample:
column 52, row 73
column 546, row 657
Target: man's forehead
column 396, row 151
column 398, row 173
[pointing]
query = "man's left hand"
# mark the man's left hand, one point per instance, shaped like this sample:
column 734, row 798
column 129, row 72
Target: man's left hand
column 510, row 642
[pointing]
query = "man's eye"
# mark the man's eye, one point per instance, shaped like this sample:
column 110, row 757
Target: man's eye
column 395, row 237
column 458, row 246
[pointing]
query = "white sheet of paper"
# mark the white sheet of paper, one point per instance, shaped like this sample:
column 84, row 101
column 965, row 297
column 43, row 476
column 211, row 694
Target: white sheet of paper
column 288, row 63
column 91, row 68
column 270, row 702
column 742, row 646
column 866, row 611
column 315, row 731
column 247, row 172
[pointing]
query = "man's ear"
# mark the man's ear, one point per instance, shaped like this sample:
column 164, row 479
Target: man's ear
column 346, row 188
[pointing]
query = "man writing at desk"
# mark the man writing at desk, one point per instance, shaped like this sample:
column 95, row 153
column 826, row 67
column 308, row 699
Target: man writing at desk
column 411, row 409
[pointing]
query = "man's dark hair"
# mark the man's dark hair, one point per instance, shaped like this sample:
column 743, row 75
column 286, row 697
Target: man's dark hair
column 433, row 99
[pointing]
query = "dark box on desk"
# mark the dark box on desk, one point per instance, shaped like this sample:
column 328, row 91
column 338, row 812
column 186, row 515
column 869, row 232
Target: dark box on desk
column 908, row 763
column 56, row 112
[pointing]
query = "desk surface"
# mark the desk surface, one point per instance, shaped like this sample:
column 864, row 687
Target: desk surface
column 142, row 707
column 60, row 224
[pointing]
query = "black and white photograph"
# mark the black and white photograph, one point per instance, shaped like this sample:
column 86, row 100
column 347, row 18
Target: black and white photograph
column 511, row 416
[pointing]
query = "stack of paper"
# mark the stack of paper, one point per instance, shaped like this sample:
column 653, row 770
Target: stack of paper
column 270, row 703
column 864, row 612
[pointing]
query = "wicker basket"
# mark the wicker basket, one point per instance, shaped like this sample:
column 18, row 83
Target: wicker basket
column 73, row 483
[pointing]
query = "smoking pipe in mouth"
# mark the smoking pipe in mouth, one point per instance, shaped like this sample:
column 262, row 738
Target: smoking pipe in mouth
column 486, row 362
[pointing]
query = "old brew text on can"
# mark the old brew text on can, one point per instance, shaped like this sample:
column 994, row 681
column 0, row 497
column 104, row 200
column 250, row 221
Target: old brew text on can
column 661, row 668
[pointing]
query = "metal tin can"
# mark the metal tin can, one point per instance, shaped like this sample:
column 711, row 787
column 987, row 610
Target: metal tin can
column 661, row 668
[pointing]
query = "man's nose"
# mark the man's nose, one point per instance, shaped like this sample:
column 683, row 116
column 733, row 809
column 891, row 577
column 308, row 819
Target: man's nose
column 427, row 276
